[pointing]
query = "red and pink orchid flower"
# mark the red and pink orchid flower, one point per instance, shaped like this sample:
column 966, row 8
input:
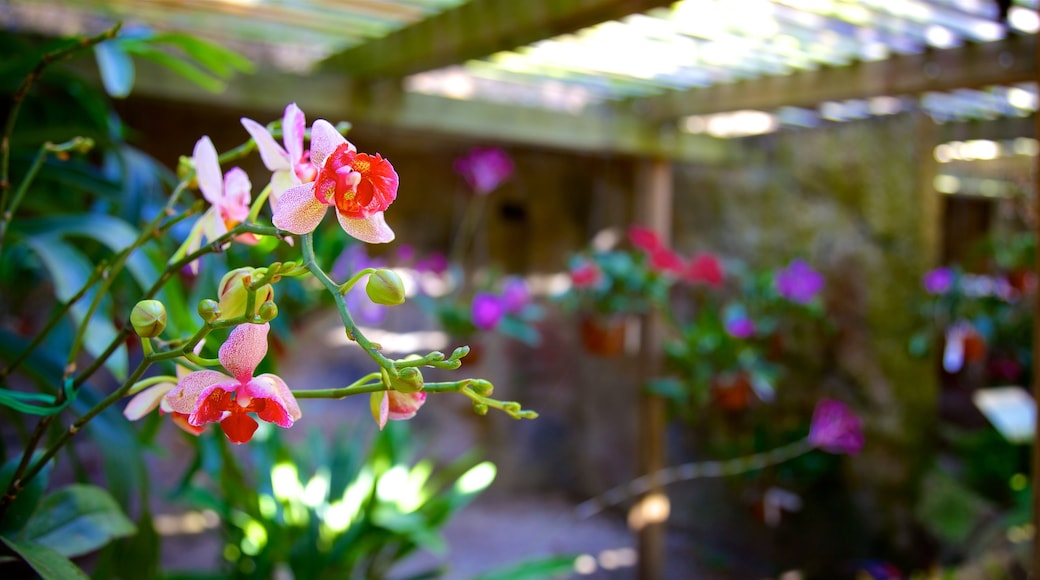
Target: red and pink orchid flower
column 229, row 196
column 290, row 165
column 209, row 396
column 154, row 397
column 358, row 186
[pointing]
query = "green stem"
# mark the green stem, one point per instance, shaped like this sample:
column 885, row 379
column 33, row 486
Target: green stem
column 311, row 263
column 150, row 381
column 23, row 91
column 258, row 203
column 358, row 387
column 346, row 286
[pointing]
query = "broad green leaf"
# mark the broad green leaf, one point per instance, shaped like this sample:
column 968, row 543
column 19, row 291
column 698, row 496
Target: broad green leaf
column 70, row 271
column 50, row 565
column 116, row 67
column 77, row 520
column 22, row 508
column 113, row 232
column 552, row 567
column 182, row 67
column 134, row 557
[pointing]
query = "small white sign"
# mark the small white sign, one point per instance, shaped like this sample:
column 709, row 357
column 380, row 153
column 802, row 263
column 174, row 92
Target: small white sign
column 1011, row 410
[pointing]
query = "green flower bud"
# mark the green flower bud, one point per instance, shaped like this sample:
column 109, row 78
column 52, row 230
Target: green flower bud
column 385, row 287
column 409, row 380
column 233, row 292
column 148, row 318
column 209, row 310
column 268, row 310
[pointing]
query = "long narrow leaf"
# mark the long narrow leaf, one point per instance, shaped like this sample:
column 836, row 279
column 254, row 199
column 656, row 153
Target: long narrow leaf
column 221, row 61
column 117, row 69
column 182, row 67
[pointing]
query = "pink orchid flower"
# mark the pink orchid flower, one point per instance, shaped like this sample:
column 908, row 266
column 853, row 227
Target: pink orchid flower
column 211, row 396
column 358, row 185
column 290, row 165
column 395, row 406
column 229, row 196
column 835, row 428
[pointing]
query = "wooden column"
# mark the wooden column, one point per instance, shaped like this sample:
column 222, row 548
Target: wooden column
column 653, row 202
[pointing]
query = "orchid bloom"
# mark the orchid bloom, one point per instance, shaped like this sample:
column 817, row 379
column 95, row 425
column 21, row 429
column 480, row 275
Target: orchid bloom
column 705, row 269
column 587, row 274
column 487, row 310
column 211, row 396
column 938, row 281
column 644, row 238
column 515, row 295
column 395, row 406
column 229, row 196
column 836, row 429
column 358, row 186
column 290, row 165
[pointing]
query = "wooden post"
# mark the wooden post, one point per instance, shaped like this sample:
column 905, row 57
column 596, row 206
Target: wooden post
column 653, row 202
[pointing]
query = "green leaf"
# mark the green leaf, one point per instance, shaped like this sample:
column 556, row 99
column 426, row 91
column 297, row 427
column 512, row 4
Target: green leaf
column 116, row 67
column 555, row 566
column 134, row 557
column 219, row 60
column 50, row 565
column 180, row 66
column 76, row 520
column 70, row 270
column 24, row 505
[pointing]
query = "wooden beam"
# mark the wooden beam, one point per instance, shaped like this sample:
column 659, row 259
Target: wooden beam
column 476, row 29
column 973, row 66
column 384, row 104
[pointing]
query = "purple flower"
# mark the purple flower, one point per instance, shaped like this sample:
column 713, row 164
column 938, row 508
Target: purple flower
column 434, row 263
column 484, row 168
column 515, row 295
column 836, row 429
column 487, row 311
column 737, row 322
column 938, row 281
column 799, row 282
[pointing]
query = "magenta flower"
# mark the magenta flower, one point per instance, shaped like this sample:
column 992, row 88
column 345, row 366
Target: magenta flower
column 666, row 261
column 738, row 325
column 211, row 396
column 395, row 406
column 487, row 310
column 644, row 238
column 484, row 168
column 799, row 282
column 515, row 295
column 938, row 281
column 228, row 195
column 705, row 269
column 358, row 186
column 836, row 429
column 586, row 275
column 290, row 165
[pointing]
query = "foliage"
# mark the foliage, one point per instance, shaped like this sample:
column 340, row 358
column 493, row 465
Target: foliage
column 334, row 511
column 198, row 281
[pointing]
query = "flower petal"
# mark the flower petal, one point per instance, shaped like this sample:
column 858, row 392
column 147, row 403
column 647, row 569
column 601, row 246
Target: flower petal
column 245, row 347
column 372, row 229
column 281, row 407
column 294, row 123
column 207, row 171
column 239, row 427
column 404, row 406
column 298, row 211
column 183, row 397
column 271, row 153
column 380, row 405
column 281, row 181
column 324, row 140
column 237, row 188
column 146, row 401
column 214, row 404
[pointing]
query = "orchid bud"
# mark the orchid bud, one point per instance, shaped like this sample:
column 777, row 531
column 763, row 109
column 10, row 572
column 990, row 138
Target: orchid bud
column 233, row 292
column 209, row 310
column 268, row 311
column 385, row 287
column 409, row 380
column 148, row 318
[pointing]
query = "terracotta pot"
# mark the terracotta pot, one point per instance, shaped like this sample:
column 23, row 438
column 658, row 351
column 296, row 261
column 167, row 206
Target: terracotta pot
column 603, row 336
column 732, row 391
